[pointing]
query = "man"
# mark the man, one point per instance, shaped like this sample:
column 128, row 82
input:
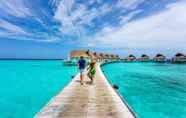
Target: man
column 81, row 66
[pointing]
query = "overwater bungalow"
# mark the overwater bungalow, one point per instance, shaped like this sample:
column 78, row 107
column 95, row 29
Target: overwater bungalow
column 101, row 57
column 144, row 58
column 117, row 56
column 179, row 58
column 112, row 56
column 97, row 56
column 92, row 55
column 75, row 56
column 131, row 58
column 106, row 57
column 159, row 58
column 88, row 56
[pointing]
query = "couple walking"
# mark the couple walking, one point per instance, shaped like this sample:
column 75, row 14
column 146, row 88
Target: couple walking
column 91, row 69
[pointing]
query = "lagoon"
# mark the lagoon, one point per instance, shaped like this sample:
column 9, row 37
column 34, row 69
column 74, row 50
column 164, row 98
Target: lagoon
column 27, row 85
column 152, row 90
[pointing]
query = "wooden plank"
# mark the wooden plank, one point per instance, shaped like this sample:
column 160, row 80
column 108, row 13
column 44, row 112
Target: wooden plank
column 97, row 100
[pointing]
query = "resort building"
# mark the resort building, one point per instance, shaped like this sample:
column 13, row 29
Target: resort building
column 88, row 56
column 116, row 57
column 96, row 56
column 76, row 54
column 144, row 58
column 112, row 57
column 101, row 57
column 131, row 58
column 159, row 58
column 106, row 57
column 179, row 58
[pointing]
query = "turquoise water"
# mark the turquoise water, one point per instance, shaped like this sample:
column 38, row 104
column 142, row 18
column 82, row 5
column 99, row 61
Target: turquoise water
column 152, row 90
column 26, row 86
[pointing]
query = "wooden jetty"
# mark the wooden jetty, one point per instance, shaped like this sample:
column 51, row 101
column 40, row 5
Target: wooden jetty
column 99, row 100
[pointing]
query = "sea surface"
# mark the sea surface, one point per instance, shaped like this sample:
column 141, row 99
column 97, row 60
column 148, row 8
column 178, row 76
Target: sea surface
column 152, row 90
column 27, row 85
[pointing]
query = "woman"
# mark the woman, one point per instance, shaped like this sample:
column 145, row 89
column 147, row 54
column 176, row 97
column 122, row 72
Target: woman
column 91, row 71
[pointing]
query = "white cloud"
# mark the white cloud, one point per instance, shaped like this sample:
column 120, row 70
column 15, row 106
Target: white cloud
column 62, row 14
column 53, row 2
column 11, row 28
column 15, row 8
column 74, row 17
column 73, row 20
column 161, row 30
column 129, row 4
column 125, row 19
column 88, row 15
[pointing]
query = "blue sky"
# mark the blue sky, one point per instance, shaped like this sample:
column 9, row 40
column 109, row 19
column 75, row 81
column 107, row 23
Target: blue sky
column 51, row 28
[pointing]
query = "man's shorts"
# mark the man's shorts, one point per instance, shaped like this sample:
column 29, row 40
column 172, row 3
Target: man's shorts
column 82, row 71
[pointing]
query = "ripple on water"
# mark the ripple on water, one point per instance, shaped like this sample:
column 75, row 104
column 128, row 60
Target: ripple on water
column 152, row 90
column 27, row 85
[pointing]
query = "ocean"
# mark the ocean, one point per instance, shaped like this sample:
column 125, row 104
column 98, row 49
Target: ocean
column 27, row 85
column 152, row 90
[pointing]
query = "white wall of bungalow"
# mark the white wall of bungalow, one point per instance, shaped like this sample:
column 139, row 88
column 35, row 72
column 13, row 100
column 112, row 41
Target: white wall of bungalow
column 131, row 58
column 144, row 58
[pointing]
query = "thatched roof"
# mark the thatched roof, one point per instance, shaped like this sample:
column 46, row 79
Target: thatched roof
column 79, row 53
column 97, row 55
column 131, row 56
column 112, row 56
column 92, row 55
column 106, row 55
column 144, row 55
column 160, row 55
column 180, row 54
column 101, row 55
column 117, row 56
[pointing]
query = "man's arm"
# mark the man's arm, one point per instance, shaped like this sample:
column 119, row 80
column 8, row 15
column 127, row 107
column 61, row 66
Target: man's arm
column 78, row 64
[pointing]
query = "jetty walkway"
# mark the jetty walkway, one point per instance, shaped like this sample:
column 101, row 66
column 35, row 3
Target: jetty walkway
column 99, row 100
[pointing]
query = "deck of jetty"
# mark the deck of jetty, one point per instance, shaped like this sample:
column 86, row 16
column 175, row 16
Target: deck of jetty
column 87, row 101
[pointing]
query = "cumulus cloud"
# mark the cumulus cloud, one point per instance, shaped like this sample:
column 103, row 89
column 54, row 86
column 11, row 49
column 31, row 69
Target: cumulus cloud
column 161, row 30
